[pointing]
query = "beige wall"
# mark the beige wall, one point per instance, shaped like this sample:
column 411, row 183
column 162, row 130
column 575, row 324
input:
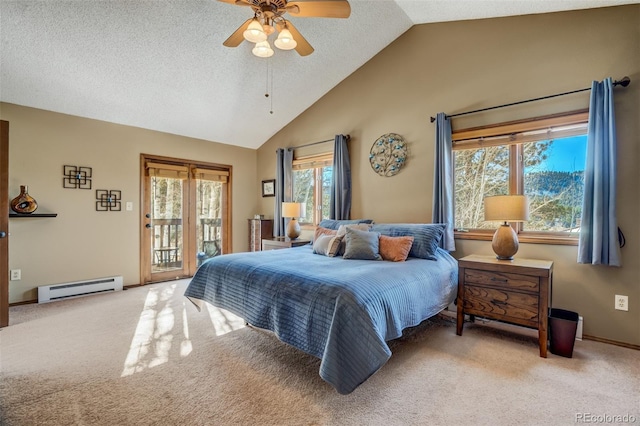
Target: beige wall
column 460, row 66
column 81, row 243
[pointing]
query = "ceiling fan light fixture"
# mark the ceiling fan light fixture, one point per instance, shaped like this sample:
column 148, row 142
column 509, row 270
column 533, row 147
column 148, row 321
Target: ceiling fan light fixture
column 268, row 29
column 285, row 40
column 254, row 32
column 262, row 49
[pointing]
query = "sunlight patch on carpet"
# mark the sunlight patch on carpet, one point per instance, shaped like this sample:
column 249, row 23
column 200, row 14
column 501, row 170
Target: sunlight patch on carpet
column 153, row 338
column 223, row 321
column 185, row 345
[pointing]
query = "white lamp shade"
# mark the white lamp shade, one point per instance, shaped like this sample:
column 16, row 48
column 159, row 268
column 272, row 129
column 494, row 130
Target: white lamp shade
column 285, row 40
column 262, row 49
column 507, row 208
column 294, row 209
column 254, row 32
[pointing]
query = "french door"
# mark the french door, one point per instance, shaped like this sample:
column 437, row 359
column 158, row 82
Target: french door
column 186, row 217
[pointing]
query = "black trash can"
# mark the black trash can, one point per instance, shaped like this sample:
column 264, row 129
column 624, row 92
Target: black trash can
column 562, row 331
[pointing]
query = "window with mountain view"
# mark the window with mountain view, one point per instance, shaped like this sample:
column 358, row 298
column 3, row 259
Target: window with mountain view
column 554, row 183
column 542, row 158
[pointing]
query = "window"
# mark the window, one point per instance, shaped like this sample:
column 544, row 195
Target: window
column 311, row 185
column 542, row 158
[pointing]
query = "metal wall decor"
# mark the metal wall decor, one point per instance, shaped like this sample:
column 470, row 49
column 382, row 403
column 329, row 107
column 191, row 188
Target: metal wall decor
column 77, row 177
column 388, row 154
column 108, row 200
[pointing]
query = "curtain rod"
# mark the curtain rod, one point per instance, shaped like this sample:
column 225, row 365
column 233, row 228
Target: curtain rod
column 317, row 143
column 624, row 83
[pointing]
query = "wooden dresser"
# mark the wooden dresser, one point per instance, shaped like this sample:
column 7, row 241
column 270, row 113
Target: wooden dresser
column 515, row 291
column 258, row 230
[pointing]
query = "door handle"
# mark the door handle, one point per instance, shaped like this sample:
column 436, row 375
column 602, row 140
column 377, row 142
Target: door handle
column 3, row 234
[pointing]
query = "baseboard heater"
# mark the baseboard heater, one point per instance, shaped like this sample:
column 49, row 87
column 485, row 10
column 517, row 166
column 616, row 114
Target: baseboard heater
column 51, row 293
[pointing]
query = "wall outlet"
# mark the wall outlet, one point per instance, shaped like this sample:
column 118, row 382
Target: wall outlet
column 622, row 303
column 16, row 275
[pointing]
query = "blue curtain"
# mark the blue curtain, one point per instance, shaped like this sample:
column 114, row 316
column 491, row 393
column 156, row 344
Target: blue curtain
column 284, row 188
column 598, row 242
column 443, row 192
column 340, row 200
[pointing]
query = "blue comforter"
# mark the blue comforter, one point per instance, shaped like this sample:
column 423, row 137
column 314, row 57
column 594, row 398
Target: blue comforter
column 342, row 311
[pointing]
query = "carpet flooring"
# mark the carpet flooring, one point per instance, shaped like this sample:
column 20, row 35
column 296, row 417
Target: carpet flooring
column 146, row 356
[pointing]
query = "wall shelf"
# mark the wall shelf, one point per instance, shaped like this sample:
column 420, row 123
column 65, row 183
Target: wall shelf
column 11, row 215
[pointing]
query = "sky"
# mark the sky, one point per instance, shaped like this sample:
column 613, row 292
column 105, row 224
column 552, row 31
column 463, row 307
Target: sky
column 568, row 154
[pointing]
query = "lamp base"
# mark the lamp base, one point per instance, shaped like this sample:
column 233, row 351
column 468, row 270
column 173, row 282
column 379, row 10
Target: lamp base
column 293, row 229
column 505, row 242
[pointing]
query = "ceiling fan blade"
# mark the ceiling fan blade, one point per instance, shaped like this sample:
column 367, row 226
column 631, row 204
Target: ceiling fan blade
column 237, row 2
column 319, row 9
column 236, row 38
column 303, row 48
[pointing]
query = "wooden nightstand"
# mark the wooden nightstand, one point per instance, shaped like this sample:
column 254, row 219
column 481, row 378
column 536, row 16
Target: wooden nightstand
column 515, row 291
column 282, row 242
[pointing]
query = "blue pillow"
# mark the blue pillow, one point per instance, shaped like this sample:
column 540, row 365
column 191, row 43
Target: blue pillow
column 335, row 224
column 426, row 236
column 362, row 245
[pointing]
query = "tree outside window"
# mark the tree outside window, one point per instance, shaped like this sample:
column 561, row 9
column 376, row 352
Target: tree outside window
column 311, row 185
column 543, row 161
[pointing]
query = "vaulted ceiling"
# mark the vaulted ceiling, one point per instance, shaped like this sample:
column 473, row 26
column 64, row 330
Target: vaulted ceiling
column 161, row 65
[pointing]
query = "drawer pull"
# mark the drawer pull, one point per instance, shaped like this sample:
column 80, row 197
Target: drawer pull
column 502, row 280
column 498, row 302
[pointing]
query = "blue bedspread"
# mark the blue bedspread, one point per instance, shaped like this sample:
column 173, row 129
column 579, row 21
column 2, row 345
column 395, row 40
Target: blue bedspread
column 342, row 311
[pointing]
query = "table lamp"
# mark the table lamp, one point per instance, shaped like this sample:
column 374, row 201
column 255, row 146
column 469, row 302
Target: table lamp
column 506, row 208
column 293, row 210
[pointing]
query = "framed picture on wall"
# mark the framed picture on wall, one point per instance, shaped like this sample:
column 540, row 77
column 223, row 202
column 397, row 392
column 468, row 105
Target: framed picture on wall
column 269, row 188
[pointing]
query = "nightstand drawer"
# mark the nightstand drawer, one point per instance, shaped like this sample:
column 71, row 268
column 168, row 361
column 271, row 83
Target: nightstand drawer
column 519, row 308
column 502, row 279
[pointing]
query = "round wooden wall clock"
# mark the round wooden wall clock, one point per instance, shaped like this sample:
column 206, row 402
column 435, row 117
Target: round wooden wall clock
column 388, row 154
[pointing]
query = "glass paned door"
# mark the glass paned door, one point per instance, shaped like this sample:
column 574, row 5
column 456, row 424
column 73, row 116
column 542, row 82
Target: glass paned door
column 164, row 236
column 167, row 246
column 210, row 212
column 186, row 216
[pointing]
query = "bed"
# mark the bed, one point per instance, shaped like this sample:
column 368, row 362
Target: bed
column 342, row 311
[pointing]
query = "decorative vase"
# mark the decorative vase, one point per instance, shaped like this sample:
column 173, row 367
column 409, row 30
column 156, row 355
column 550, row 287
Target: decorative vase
column 24, row 203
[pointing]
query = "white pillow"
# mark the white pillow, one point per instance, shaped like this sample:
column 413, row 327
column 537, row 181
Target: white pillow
column 342, row 229
column 327, row 245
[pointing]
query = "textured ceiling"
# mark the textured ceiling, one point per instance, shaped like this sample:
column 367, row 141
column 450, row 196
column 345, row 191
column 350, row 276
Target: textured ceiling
column 161, row 65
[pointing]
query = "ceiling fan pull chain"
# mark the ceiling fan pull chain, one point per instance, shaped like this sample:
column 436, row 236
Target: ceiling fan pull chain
column 266, row 87
column 269, row 90
column 271, row 97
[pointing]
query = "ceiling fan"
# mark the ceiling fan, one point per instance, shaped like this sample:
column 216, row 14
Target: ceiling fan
column 268, row 17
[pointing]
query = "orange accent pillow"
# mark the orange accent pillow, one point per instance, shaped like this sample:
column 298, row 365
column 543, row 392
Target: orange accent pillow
column 395, row 249
column 323, row 231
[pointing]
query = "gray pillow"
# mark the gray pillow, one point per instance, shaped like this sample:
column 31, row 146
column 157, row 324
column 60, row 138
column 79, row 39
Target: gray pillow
column 342, row 230
column 362, row 245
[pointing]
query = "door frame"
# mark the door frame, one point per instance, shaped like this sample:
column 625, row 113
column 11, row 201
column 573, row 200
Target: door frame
column 189, row 212
column 4, row 223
